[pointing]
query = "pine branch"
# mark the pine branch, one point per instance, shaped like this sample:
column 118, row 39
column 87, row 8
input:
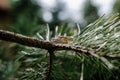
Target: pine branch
column 50, row 46
column 32, row 42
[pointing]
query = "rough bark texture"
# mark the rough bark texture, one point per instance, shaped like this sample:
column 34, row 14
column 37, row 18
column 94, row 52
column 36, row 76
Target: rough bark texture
column 50, row 46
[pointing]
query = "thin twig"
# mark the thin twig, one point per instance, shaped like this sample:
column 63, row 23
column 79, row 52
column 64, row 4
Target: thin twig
column 110, row 56
column 48, row 74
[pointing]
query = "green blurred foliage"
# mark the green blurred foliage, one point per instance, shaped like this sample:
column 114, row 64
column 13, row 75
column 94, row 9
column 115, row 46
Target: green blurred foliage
column 25, row 17
column 90, row 12
column 116, row 6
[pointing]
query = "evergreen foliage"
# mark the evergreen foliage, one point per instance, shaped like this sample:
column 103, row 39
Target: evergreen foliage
column 102, row 36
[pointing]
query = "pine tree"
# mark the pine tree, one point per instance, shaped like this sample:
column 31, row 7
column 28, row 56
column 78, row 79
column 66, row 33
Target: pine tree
column 92, row 54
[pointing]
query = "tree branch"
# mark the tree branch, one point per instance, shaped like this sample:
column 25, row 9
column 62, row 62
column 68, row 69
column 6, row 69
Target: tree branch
column 32, row 42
